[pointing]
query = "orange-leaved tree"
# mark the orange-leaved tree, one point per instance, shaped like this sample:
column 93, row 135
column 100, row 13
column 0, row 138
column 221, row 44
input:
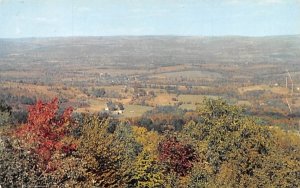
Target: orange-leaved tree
column 45, row 129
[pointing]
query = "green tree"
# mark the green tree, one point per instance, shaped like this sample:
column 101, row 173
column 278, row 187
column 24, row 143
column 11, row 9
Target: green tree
column 234, row 151
column 107, row 156
column 5, row 113
column 19, row 167
column 146, row 172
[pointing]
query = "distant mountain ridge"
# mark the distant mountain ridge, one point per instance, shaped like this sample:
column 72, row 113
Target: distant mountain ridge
column 139, row 49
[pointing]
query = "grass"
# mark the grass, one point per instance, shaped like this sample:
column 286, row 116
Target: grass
column 135, row 110
column 162, row 100
column 188, row 106
column 193, row 99
column 243, row 90
column 189, row 74
column 243, row 103
column 276, row 90
column 96, row 105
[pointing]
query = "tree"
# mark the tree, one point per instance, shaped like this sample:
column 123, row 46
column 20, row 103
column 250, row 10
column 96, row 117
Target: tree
column 234, row 151
column 177, row 156
column 45, row 129
column 106, row 155
column 99, row 92
column 5, row 113
column 5, row 107
column 146, row 170
column 18, row 167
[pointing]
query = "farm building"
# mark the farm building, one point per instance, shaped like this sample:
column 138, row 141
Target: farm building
column 114, row 108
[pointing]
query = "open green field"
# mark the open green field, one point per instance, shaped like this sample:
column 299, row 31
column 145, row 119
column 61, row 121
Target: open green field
column 193, row 99
column 189, row 74
column 264, row 87
column 135, row 110
column 96, row 105
column 188, row 106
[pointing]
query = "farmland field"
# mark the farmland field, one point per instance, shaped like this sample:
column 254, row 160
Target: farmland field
column 176, row 71
column 135, row 110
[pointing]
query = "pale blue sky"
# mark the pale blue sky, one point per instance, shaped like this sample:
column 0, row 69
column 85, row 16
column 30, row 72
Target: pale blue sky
column 47, row 18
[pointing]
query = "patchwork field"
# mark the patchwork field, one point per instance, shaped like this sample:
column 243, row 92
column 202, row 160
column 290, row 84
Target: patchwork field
column 146, row 72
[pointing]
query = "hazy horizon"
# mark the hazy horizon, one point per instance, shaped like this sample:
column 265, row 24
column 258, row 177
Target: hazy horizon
column 154, row 36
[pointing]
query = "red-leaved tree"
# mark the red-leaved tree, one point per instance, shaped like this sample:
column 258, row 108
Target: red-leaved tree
column 45, row 129
column 177, row 156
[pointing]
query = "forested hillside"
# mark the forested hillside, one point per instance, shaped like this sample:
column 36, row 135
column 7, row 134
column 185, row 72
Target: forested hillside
column 216, row 145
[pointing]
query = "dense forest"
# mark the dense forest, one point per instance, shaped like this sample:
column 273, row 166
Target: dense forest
column 217, row 145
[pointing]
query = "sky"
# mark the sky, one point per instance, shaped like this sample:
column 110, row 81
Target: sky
column 52, row 18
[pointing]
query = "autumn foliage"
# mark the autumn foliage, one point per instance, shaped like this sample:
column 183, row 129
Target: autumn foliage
column 179, row 157
column 221, row 147
column 45, row 129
